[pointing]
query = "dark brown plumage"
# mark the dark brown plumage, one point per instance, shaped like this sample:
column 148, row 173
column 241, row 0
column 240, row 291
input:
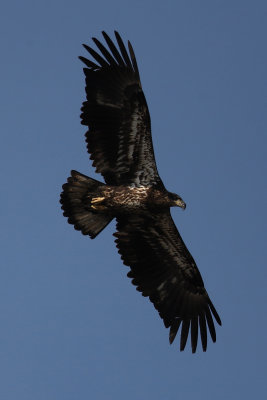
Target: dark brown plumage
column 119, row 143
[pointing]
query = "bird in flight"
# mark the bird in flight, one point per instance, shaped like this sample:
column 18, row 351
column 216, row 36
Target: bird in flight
column 120, row 145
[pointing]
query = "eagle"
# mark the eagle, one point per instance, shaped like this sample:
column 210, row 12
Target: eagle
column 120, row 145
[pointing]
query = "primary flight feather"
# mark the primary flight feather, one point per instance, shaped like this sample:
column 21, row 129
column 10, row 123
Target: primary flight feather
column 120, row 144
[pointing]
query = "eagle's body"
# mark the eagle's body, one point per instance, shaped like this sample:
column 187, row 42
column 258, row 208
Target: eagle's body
column 123, row 200
column 120, row 144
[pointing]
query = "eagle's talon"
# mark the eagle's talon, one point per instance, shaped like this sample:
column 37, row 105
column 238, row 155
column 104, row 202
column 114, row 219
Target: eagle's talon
column 98, row 208
column 96, row 200
column 96, row 203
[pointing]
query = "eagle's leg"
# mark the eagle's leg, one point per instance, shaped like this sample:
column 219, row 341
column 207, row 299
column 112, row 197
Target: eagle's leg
column 96, row 203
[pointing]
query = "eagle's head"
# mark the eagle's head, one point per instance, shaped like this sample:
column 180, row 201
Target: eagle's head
column 176, row 201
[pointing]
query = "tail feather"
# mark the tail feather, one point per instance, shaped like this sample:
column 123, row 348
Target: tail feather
column 74, row 200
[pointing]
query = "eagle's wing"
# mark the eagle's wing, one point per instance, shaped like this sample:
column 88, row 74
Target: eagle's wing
column 116, row 113
column 163, row 269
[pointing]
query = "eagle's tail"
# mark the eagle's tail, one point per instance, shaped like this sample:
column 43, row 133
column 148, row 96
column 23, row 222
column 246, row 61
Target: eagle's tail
column 74, row 200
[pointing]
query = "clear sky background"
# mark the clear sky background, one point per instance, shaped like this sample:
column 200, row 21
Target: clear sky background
column 71, row 324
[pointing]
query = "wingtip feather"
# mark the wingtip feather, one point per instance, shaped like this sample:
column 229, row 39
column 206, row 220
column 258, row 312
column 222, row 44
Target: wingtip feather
column 174, row 329
column 214, row 312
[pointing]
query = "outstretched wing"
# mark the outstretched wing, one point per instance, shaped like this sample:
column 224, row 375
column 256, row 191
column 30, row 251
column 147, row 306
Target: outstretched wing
column 116, row 113
column 163, row 269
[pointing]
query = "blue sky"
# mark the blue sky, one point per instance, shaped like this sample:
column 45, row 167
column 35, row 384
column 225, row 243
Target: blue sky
column 72, row 325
